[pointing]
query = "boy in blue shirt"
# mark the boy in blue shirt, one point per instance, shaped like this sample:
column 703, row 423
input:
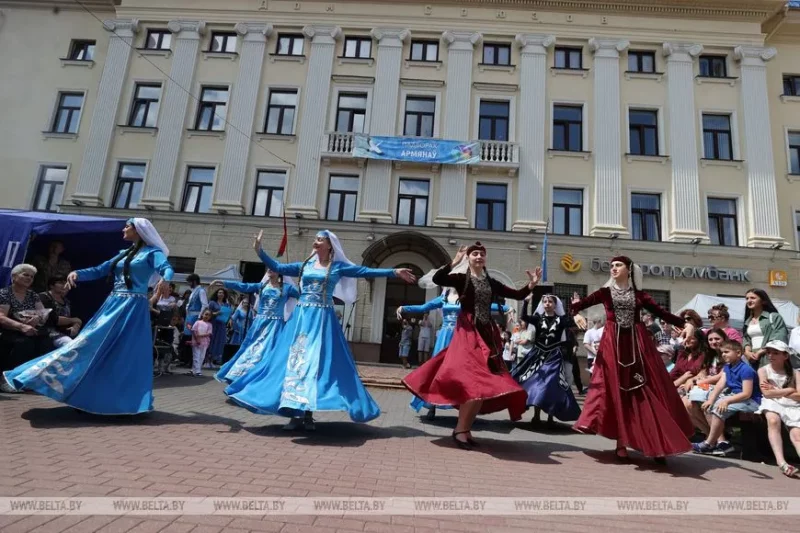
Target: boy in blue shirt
column 741, row 395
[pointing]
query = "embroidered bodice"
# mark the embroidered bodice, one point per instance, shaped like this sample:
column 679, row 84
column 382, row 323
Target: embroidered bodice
column 271, row 300
column 147, row 262
column 483, row 299
column 624, row 302
column 623, row 309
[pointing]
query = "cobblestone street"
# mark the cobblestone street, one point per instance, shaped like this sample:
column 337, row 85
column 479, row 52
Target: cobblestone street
column 197, row 444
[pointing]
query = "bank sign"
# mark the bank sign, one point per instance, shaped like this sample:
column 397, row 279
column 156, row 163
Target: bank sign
column 711, row 273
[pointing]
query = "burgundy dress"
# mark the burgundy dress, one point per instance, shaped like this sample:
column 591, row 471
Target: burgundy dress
column 471, row 367
column 632, row 398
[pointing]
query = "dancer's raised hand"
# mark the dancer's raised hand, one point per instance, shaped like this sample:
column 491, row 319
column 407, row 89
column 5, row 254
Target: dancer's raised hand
column 72, row 280
column 460, row 254
column 257, row 240
column 580, row 321
column 688, row 331
column 399, row 313
column 405, row 274
column 576, row 298
column 534, row 277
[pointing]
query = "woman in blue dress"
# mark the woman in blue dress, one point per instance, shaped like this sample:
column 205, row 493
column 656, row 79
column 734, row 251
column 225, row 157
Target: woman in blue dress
column 241, row 321
column 108, row 368
column 221, row 311
column 311, row 367
column 277, row 298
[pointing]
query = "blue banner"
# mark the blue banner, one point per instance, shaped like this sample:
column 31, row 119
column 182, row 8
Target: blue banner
column 417, row 150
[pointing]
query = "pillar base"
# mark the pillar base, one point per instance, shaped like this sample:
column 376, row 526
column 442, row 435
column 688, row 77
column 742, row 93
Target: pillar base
column 227, row 209
column 535, row 226
column 157, row 204
column 382, row 217
column 86, row 200
column 302, row 211
column 763, row 241
column 687, row 236
column 450, row 221
column 608, row 231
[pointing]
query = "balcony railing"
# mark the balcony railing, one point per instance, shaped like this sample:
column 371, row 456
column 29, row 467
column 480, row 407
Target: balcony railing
column 339, row 143
column 500, row 152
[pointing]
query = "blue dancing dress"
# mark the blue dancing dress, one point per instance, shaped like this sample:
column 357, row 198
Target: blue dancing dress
column 108, row 368
column 311, row 367
column 193, row 308
column 264, row 331
column 238, row 321
column 219, row 335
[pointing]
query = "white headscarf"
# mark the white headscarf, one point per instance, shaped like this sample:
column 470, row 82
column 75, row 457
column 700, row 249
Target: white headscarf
column 559, row 305
column 346, row 289
column 426, row 281
column 147, row 232
column 636, row 277
column 288, row 308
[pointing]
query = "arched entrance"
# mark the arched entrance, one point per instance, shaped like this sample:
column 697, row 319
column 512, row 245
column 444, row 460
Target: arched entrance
column 405, row 249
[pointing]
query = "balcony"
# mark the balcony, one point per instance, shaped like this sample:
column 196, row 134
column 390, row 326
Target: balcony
column 338, row 147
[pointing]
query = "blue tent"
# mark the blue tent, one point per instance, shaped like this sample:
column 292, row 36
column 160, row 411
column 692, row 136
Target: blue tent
column 88, row 241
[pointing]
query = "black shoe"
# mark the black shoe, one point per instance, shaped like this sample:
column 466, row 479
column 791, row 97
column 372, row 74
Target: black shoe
column 308, row 422
column 660, row 461
column 294, row 424
column 431, row 414
column 472, row 442
column 697, row 438
column 460, row 443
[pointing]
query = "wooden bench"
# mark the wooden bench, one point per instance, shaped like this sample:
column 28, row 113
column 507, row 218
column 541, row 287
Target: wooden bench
column 753, row 442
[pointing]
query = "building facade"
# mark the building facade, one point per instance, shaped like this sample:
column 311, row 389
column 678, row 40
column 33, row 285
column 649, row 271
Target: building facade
column 669, row 132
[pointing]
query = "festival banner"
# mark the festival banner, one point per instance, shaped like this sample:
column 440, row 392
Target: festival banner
column 417, row 150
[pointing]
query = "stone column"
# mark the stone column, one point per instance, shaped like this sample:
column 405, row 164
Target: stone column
column 607, row 138
column 159, row 183
column 453, row 189
column 313, row 117
column 682, row 127
column 531, row 129
column 762, row 196
column 230, row 185
column 104, row 116
column 377, row 187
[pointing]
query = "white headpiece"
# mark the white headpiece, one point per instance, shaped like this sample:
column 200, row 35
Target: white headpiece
column 559, row 305
column 288, row 308
column 346, row 289
column 636, row 277
column 147, row 232
column 426, row 281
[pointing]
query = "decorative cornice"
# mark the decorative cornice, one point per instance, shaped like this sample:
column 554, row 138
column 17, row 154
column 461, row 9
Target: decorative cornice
column 461, row 40
column 390, row 36
column 531, row 43
column 187, row 26
column 319, row 33
column 608, row 47
column 675, row 49
column 122, row 27
column 253, row 31
column 754, row 55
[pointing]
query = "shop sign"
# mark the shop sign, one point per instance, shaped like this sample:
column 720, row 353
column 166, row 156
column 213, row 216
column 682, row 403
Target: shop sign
column 778, row 278
column 569, row 264
column 711, row 273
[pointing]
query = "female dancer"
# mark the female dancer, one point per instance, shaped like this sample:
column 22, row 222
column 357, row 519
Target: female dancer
column 311, row 367
column 631, row 398
column 277, row 298
column 243, row 315
column 221, row 311
column 542, row 372
column 470, row 372
column 108, row 368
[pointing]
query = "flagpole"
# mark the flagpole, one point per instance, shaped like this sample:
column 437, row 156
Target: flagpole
column 544, row 252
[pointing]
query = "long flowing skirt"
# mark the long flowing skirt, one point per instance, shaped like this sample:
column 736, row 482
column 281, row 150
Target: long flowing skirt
column 443, row 338
column 543, row 376
column 107, row 369
column 650, row 418
column 219, row 338
column 310, row 368
column 461, row 373
column 260, row 340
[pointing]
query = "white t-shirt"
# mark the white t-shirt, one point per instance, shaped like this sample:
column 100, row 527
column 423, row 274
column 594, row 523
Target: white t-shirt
column 592, row 337
column 794, row 339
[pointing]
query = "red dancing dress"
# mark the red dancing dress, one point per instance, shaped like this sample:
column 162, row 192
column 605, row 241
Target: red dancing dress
column 471, row 367
column 632, row 398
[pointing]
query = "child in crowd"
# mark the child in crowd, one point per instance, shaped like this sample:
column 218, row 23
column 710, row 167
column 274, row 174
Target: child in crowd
column 201, row 338
column 742, row 395
column 405, row 343
column 781, row 401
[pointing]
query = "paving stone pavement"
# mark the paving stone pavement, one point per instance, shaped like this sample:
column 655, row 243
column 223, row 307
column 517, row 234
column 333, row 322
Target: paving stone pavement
column 197, row 444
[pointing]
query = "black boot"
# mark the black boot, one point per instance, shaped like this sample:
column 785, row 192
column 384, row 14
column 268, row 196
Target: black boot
column 308, row 421
column 431, row 414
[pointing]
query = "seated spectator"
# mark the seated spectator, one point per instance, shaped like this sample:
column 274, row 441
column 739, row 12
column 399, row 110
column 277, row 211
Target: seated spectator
column 52, row 265
column 168, row 302
column 718, row 316
column 591, row 341
column 689, row 361
column 67, row 326
column 650, row 323
column 664, row 336
column 780, row 403
column 762, row 324
column 23, row 320
column 794, row 344
column 742, row 395
column 700, row 387
column 691, row 316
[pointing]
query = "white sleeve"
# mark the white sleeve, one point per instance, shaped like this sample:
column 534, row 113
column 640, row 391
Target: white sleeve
column 203, row 297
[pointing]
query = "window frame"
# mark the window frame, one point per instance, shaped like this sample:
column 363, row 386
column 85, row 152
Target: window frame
column 567, row 58
column 351, row 92
column 720, row 217
column 564, row 292
column 419, row 115
column 642, row 213
column 794, row 83
column 161, row 32
column 639, row 55
column 496, row 47
column 359, row 40
column 664, row 295
column 60, row 96
column 271, row 189
column 52, row 203
column 202, row 185
column 119, row 180
column 413, row 199
column 343, row 194
column 642, row 129
column 425, row 44
column 202, row 105
column 796, row 221
column 795, row 171
column 554, row 122
column 711, row 60
column 226, row 37
column 294, row 37
column 136, row 100
column 715, row 135
column 509, row 102
column 490, row 206
column 567, row 209
column 76, row 45
column 282, row 109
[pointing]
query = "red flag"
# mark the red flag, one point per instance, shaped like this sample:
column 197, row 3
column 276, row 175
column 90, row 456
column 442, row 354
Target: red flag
column 285, row 239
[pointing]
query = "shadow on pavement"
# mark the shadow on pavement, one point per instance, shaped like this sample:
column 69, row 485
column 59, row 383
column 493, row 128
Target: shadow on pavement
column 178, row 380
column 67, row 417
column 342, row 434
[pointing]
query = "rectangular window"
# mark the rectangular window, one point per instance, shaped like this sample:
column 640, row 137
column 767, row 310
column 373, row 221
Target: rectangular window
column 568, row 211
column 182, row 265
column 564, row 292
column 49, row 188
column 570, row 58
column 661, row 297
column 68, row 113
column 568, row 128
column 791, row 85
column 639, row 61
column 717, row 139
column 212, row 109
column 223, row 42
column 158, row 40
column 268, row 201
column 197, row 196
column 359, row 47
column 342, row 196
column 496, row 54
column 646, row 217
column 130, row 179
column 412, row 202
column 424, row 51
column 281, row 112
column 351, row 112
column 722, row 222
column 794, row 152
column 420, row 113
column 797, row 228
column 493, row 120
column 80, row 50
column 643, row 131
column 144, row 110
column 290, row 45
column 713, row 67
column 490, row 206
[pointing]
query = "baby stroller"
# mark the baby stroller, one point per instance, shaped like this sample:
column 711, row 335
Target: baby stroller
column 163, row 345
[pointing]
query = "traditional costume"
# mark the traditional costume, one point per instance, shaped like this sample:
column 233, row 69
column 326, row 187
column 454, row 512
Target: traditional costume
column 542, row 373
column 108, row 368
column 471, row 367
column 631, row 397
column 241, row 321
column 275, row 306
column 311, row 367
